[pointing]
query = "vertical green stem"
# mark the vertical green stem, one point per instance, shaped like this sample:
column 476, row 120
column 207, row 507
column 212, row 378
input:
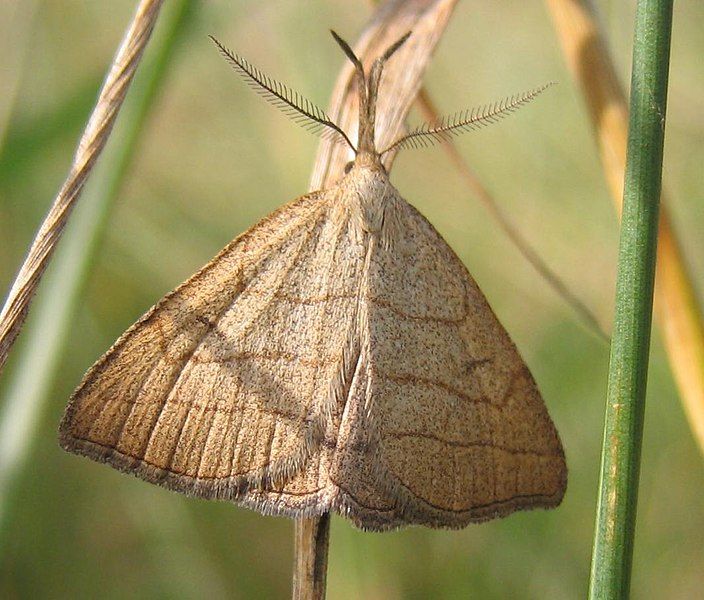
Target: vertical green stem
column 620, row 463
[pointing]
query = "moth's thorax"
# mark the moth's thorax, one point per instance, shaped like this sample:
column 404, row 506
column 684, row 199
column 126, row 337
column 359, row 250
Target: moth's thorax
column 366, row 195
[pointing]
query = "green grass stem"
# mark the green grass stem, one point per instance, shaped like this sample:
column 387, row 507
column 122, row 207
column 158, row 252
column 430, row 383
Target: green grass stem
column 620, row 465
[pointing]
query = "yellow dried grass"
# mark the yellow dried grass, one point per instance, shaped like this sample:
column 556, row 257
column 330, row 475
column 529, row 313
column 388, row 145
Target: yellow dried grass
column 678, row 310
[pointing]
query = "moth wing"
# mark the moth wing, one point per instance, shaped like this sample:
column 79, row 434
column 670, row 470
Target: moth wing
column 449, row 427
column 216, row 390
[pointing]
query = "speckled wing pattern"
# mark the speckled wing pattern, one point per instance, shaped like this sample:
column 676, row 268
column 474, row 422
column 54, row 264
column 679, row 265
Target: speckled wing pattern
column 217, row 390
column 446, row 425
column 337, row 356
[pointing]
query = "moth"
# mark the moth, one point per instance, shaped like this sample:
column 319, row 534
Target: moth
column 337, row 356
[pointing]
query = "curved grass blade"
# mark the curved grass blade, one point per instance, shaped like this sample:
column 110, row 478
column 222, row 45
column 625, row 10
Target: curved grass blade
column 92, row 142
column 62, row 291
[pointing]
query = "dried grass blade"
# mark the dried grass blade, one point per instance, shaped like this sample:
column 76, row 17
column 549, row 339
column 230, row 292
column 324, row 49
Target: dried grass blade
column 427, row 106
column 39, row 357
column 678, row 309
column 427, row 20
column 90, row 146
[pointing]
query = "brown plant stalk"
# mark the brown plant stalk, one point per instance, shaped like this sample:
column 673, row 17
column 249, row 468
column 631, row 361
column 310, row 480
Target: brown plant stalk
column 402, row 79
column 92, row 142
column 678, row 309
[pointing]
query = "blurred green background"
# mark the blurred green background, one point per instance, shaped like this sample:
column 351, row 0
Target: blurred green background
column 212, row 160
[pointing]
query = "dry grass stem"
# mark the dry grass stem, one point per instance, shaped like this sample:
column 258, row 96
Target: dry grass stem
column 430, row 112
column 90, row 146
column 679, row 312
column 312, row 537
column 427, row 19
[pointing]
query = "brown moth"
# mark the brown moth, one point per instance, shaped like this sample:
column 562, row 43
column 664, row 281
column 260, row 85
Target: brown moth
column 336, row 356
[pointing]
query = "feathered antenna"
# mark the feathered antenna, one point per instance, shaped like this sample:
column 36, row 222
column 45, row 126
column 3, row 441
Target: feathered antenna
column 301, row 110
column 447, row 127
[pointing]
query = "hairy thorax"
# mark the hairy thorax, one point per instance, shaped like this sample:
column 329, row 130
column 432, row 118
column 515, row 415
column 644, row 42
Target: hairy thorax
column 370, row 201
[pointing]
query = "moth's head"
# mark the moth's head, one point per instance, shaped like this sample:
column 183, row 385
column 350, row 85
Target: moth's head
column 366, row 161
column 367, row 156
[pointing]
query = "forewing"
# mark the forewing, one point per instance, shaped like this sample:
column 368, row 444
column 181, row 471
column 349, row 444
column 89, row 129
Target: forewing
column 219, row 389
column 455, row 428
